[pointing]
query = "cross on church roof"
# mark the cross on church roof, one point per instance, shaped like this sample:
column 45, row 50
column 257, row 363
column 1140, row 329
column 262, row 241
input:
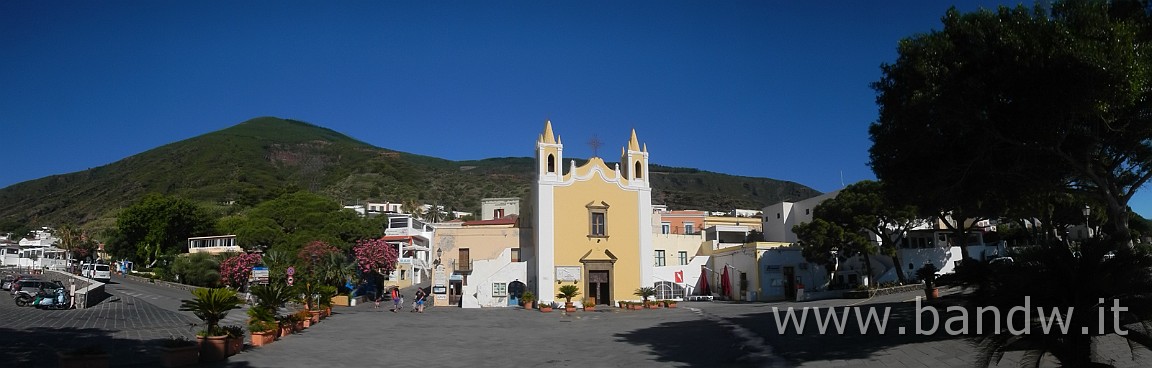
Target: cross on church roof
column 595, row 144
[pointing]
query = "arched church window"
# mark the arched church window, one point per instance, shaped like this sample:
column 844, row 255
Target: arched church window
column 551, row 163
column 639, row 171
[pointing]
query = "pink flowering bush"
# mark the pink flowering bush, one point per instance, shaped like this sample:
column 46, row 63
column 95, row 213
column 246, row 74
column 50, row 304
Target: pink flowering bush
column 375, row 255
column 313, row 254
column 235, row 270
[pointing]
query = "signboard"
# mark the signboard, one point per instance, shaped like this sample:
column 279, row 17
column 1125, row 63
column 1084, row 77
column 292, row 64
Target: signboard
column 440, row 276
column 679, row 276
column 404, row 260
column 260, row 275
column 568, row 273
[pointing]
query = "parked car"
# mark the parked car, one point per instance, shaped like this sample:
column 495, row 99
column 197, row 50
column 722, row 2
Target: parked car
column 6, row 281
column 33, row 286
column 9, row 284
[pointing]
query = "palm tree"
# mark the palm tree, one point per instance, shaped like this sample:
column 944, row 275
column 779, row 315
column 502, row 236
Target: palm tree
column 211, row 306
column 70, row 239
column 413, row 207
column 568, row 292
column 435, row 213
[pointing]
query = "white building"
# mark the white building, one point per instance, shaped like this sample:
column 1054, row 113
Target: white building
column 779, row 218
column 214, row 244
column 495, row 208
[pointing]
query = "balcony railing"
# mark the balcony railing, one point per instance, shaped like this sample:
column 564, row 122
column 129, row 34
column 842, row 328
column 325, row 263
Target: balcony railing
column 462, row 266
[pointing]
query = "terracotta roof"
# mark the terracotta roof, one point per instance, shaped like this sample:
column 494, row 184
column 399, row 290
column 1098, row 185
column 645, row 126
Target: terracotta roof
column 506, row 220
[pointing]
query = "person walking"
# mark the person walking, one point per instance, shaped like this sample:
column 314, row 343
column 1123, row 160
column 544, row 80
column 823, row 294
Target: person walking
column 418, row 304
column 395, row 293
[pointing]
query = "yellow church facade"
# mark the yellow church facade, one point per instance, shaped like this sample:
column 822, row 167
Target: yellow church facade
column 593, row 223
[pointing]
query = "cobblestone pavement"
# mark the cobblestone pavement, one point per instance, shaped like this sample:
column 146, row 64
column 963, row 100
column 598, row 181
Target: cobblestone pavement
column 698, row 334
column 127, row 325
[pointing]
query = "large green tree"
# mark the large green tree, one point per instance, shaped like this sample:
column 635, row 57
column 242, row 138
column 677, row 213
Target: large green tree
column 296, row 219
column 859, row 213
column 999, row 106
column 158, row 226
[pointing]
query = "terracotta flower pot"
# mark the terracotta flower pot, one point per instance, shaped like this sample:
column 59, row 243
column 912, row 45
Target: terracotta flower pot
column 286, row 330
column 68, row 360
column 315, row 316
column 235, row 345
column 546, row 308
column 213, row 348
column 261, row 338
column 181, row 356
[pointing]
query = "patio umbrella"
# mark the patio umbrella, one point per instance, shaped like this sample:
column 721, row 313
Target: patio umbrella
column 702, row 284
column 725, row 285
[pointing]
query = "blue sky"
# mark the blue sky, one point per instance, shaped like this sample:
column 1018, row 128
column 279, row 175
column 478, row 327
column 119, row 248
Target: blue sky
column 775, row 89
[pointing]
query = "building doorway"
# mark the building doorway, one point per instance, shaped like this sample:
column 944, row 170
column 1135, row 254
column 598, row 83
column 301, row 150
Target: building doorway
column 455, row 289
column 599, row 286
column 790, row 283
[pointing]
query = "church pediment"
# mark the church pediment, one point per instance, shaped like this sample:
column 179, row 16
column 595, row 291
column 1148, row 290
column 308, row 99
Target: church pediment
column 598, row 255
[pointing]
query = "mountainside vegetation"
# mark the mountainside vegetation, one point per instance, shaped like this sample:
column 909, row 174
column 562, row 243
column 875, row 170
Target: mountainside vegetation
column 263, row 158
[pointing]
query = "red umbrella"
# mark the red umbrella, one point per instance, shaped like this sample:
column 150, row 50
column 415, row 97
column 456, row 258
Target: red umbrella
column 725, row 285
column 702, row 284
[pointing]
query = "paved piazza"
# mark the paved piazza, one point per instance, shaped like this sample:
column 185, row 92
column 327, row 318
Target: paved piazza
column 698, row 334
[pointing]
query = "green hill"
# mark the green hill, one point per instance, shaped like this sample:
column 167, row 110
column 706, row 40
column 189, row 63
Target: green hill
column 261, row 158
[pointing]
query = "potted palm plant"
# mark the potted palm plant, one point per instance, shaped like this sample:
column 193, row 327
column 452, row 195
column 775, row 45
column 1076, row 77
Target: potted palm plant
column 211, row 305
column 568, row 292
column 263, row 332
column 327, row 293
column 589, row 304
column 645, row 293
column 528, row 298
column 262, row 319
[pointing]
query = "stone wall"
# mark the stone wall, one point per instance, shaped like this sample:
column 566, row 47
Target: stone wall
column 162, row 282
column 88, row 292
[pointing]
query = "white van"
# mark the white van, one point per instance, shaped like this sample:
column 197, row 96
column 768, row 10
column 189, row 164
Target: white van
column 97, row 271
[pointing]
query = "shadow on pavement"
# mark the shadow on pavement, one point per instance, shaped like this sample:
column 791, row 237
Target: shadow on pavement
column 39, row 348
column 812, row 345
column 697, row 343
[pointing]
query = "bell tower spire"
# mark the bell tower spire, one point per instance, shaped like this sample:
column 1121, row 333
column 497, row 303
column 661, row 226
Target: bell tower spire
column 634, row 160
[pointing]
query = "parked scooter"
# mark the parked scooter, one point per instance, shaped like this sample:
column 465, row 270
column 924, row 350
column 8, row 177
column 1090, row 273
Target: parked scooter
column 23, row 300
column 48, row 299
